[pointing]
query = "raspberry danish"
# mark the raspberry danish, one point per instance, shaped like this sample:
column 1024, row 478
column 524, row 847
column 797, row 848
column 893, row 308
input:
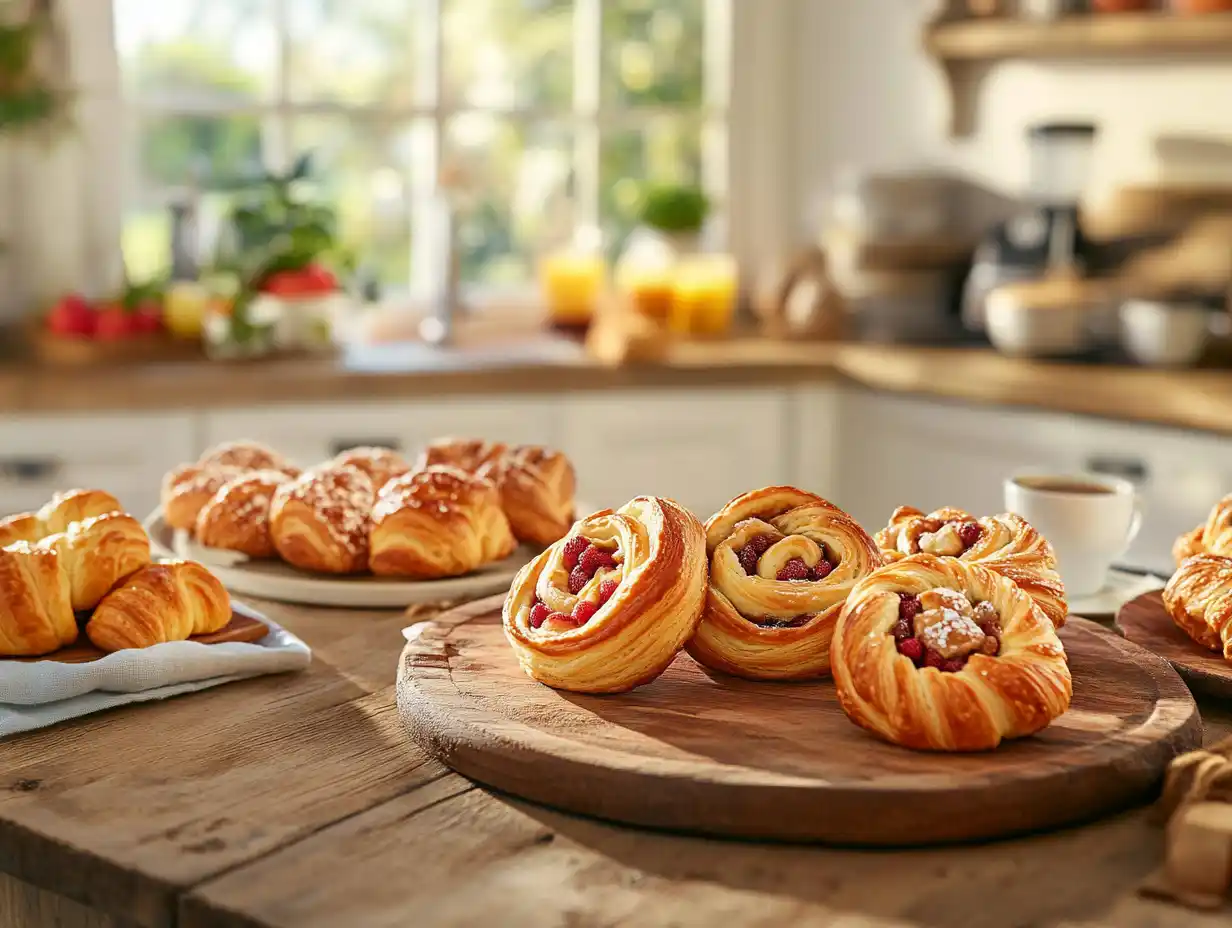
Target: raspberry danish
column 782, row 562
column 1199, row 599
column 1212, row 537
column 939, row 654
column 1004, row 543
column 608, row 608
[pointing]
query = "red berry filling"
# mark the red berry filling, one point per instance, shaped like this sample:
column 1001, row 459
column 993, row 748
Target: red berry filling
column 539, row 613
column 822, row 570
column 578, row 578
column 913, row 649
column 607, row 589
column 795, row 569
column 573, row 550
column 797, row 622
column 908, row 607
column 933, row 659
column 584, row 611
column 561, row 619
column 752, row 551
column 970, row 533
column 593, row 558
column 902, row 630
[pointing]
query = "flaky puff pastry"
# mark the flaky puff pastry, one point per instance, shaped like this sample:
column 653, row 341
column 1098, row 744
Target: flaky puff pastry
column 246, row 456
column 98, row 553
column 1006, row 543
column 1214, row 536
column 639, row 576
column 188, row 488
column 1015, row 693
column 468, row 454
column 438, row 522
column 57, row 515
column 36, row 613
column 758, row 626
column 537, row 488
column 380, row 464
column 237, row 517
column 171, row 601
column 1199, row 599
column 320, row 521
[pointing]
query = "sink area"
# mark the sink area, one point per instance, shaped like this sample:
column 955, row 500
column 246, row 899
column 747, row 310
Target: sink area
column 469, row 350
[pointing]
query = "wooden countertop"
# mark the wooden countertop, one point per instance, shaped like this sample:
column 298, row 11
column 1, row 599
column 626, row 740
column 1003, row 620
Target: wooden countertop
column 299, row 802
column 1195, row 399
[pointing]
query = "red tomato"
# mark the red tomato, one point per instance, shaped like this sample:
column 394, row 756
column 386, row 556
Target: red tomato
column 311, row 280
column 72, row 317
column 114, row 323
column 148, row 319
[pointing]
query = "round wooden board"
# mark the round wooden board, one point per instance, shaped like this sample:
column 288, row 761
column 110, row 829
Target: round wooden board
column 715, row 755
column 1146, row 622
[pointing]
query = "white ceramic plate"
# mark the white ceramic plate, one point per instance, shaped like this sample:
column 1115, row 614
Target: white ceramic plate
column 1122, row 587
column 283, row 583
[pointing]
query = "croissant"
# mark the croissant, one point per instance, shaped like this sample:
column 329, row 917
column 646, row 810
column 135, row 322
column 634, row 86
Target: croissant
column 380, row 464
column 536, row 487
column 237, row 517
column 171, row 601
column 468, row 454
column 320, row 521
column 1004, row 543
column 940, row 654
column 246, row 456
column 97, row 554
column 36, row 613
column 437, row 522
column 782, row 562
column 1212, row 537
column 188, row 488
column 608, row 608
column 1199, row 599
column 57, row 515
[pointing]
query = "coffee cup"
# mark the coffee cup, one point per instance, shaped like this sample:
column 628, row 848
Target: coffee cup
column 1090, row 521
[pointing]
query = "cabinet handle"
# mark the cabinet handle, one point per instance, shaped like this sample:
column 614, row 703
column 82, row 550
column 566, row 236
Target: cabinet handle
column 340, row 445
column 30, row 470
column 1131, row 469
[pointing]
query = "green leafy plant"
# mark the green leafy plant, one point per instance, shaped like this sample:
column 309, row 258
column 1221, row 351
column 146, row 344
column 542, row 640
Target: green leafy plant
column 675, row 209
column 27, row 98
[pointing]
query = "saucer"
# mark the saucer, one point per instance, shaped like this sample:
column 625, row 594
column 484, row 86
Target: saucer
column 1123, row 585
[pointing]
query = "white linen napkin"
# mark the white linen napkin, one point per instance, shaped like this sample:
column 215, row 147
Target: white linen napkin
column 41, row 693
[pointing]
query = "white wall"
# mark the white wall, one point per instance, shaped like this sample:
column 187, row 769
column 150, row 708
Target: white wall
column 873, row 98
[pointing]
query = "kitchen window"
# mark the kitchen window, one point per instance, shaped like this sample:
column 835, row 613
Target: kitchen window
column 557, row 110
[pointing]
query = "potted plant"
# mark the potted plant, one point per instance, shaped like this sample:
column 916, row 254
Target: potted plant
column 672, row 218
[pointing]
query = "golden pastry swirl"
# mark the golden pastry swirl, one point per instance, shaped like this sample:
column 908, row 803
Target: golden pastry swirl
column 782, row 562
column 1003, row 673
column 1006, row 543
column 1214, row 536
column 1199, row 599
column 607, row 608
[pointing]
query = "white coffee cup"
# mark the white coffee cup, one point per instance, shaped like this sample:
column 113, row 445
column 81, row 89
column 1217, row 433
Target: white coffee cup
column 1090, row 520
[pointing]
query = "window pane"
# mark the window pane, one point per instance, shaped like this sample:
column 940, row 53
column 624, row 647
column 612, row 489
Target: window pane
column 145, row 241
column 519, row 176
column 509, row 53
column 204, row 150
column 666, row 150
column 653, row 51
column 197, row 53
column 356, row 51
column 363, row 170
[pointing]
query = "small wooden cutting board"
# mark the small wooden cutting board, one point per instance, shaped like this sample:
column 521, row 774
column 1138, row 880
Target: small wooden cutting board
column 241, row 628
column 709, row 754
column 1145, row 621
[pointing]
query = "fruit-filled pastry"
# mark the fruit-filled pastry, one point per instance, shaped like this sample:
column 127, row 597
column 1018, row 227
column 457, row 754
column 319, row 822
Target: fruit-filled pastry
column 437, row 522
column 1214, row 536
column 940, row 654
column 536, row 487
column 1199, row 599
column 782, row 562
column 1004, row 543
column 320, row 520
column 608, row 607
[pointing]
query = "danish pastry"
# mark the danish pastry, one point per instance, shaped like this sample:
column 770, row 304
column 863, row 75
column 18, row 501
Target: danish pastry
column 237, row 517
column 380, row 464
column 320, row 520
column 536, row 487
column 782, row 562
column 437, row 522
column 246, row 456
column 1004, row 543
column 468, row 454
column 57, row 515
column 940, row 654
column 608, row 608
column 36, row 613
column 1212, row 537
column 1199, row 599
column 188, row 488
column 171, row 601
column 98, row 553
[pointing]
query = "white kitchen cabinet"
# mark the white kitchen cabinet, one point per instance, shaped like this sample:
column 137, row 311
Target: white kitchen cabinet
column 310, row 434
column 811, row 443
column 700, row 447
column 125, row 455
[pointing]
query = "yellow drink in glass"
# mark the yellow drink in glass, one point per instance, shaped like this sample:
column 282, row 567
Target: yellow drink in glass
column 704, row 295
column 572, row 284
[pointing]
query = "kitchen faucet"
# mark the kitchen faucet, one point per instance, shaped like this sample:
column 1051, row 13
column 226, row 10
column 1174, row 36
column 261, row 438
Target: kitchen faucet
column 445, row 284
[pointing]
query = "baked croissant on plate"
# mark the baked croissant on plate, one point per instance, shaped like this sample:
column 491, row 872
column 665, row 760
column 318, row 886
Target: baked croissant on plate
column 1212, row 537
column 246, row 456
column 188, row 488
column 468, row 454
column 380, row 464
column 98, row 553
column 171, row 601
column 940, row 654
column 536, row 487
column 57, row 515
column 36, row 612
column 437, row 522
column 1199, row 600
column 237, row 517
column 1004, row 543
column 320, row 521
column 608, row 608
column 782, row 562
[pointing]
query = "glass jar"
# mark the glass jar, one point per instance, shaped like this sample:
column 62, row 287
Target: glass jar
column 704, row 295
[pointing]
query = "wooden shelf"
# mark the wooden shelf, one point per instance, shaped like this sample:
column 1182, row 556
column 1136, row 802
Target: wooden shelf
column 967, row 48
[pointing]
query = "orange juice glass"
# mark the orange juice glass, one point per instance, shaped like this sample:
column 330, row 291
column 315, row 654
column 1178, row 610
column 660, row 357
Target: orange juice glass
column 704, row 295
column 572, row 283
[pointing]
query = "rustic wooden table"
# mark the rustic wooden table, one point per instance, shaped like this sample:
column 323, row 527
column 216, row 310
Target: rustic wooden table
column 298, row 801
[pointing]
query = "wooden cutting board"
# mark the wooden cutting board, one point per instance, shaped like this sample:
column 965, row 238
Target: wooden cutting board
column 241, row 628
column 1146, row 622
column 714, row 755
